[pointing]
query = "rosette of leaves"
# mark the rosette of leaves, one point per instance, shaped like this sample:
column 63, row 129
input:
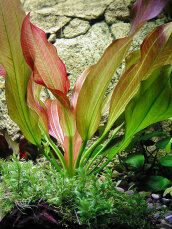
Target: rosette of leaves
column 29, row 62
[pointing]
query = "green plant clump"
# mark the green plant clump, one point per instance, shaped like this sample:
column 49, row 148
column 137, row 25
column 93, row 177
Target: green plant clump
column 91, row 201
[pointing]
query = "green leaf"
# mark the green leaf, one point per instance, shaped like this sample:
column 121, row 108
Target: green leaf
column 168, row 191
column 169, row 146
column 135, row 161
column 153, row 102
column 89, row 104
column 17, row 71
column 132, row 58
column 166, row 161
column 156, row 51
column 156, row 183
column 153, row 134
column 161, row 144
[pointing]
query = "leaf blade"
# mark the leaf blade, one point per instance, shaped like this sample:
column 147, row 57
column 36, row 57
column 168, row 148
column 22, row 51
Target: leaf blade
column 156, row 50
column 17, row 71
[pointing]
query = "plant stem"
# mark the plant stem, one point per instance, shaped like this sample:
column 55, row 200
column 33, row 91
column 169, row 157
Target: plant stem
column 55, row 164
column 114, row 151
column 101, row 150
column 81, row 150
column 58, row 153
column 96, row 144
column 89, row 151
column 71, row 166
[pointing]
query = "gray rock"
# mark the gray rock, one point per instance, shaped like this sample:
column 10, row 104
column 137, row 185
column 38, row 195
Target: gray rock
column 120, row 29
column 165, row 201
column 151, row 206
column 120, row 189
column 30, row 5
column 50, row 23
column 165, row 225
column 155, row 196
column 169, row 218
column 75, row 28
column 86, row 9
column 117, row 10
column 129, row 192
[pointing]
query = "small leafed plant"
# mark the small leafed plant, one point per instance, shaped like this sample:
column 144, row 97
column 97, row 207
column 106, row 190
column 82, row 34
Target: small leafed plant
column 142, row 96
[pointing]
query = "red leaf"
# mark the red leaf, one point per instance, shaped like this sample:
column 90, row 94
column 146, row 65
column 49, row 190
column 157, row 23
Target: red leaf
column 41, row 56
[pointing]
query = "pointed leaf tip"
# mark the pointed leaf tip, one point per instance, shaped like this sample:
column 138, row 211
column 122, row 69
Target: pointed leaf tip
column 144, row 10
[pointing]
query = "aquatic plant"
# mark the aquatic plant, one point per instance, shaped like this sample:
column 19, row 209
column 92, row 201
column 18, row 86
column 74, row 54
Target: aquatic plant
column 142, row 96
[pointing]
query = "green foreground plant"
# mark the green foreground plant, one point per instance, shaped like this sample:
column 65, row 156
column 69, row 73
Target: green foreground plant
column 142, row 96
column 94, row 200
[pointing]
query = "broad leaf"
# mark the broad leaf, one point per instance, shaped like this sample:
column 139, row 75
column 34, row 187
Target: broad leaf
column 98, row 79
column 153, row 102
column 41, row 56
column 55, row 114
column 166, row 161
column 17, row 71
column 156, row 51
column 88, row 111
column 161, row 144
column 135, row 161
column 155, row 183
column 132, row 58
column 78, row 86
column 33, row 94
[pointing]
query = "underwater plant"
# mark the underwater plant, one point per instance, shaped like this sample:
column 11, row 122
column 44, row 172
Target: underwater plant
column 142, row 96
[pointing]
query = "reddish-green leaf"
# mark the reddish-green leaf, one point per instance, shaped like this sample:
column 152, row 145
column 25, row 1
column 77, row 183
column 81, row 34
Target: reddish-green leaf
column 144, row 10
column 55, row 114
column 33, row 94
column 156, row 51
column 78, row 86
column 41, row 56
column 17, row 71
column 151, row 104
column 89, row 104
column 88, row 111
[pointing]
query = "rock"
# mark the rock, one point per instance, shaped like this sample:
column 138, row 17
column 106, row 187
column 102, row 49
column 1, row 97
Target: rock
column 120, row 29
column 117, row 10
column 165, row 201
column 151, row 206
column 155, row 196
column 75, row 28
column 79, row 8
column 156, row 215
column 169, row 218
column 30, row 5
column 120, row 189
column 50, row 23
column 129, row 192
column 165, row 225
